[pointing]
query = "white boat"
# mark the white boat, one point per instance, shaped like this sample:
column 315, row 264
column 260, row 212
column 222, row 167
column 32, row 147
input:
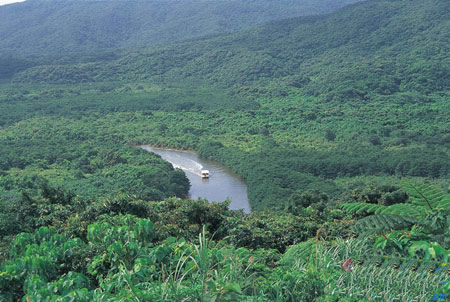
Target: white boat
column 204, row 173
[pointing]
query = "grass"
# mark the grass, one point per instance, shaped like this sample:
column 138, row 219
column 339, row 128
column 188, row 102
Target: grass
column 389, row 281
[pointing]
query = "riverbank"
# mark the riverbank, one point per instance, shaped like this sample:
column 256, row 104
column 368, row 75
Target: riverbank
column 222, row 185
column 168, row 149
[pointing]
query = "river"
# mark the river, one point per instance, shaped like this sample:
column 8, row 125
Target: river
column 222, row 184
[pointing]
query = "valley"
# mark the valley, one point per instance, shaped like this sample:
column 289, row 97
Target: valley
column 327, row 125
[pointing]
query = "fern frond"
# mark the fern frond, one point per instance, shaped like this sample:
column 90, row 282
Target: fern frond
column 299, row 253
column 444, row 203
column 424, row 200
column 359, row 207
column 425, row 195
column 382, row 222
column 404, row 210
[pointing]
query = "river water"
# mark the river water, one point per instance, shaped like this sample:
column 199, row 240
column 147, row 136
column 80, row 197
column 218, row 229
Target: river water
column 222, row 183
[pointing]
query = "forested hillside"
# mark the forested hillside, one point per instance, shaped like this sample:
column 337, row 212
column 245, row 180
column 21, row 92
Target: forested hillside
column 339, row 123
column 370, row 80
column 376, row 42
column 363, row 53
column 73, row 26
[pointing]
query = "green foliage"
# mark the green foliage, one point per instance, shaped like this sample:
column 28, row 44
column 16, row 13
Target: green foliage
column 125, row 257
column 330, row 135
column 301, row 251
column 267, row 230
column 117, row 243
column 17, row 214
column 298, row 285
column 427, row 206
column 398, row 242
column 370, row 62
column 39, row 180
column 185, row 218
column 275, row 172
column 426, row 195
column 92, row 26
column 433, row 250
column 313, row 112
column 127, row 265
column 264, row 98
column 382, row 222
column 40, row 258
column 394, row 278
column 298, row 201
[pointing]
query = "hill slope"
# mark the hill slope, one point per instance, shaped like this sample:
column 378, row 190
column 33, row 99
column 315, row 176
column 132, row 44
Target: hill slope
column 360, row 92
column 373, row 48
column 52, row 27
column 327, row 118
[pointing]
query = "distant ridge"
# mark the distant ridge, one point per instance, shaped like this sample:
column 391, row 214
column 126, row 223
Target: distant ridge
column 375, row 48
column 38, row 27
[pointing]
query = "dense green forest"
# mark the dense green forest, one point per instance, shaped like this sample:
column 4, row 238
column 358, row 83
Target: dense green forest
column 42, row 27
column 339, row 123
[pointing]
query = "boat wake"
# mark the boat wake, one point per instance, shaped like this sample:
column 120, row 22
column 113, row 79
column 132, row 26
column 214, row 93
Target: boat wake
column 224, row 185
column 178, row 161
column 191, row 170
column 192, row 166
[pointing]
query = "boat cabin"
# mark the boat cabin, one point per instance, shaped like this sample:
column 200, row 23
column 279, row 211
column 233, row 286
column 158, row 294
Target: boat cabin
column 204, row 173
